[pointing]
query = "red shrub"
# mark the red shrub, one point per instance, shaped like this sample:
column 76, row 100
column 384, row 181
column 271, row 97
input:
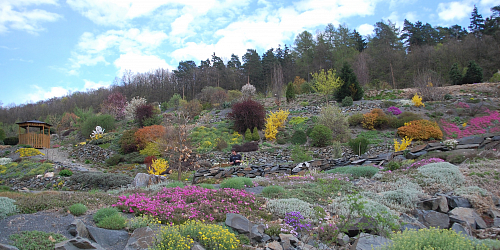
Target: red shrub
column 247, row 114
column 148, row 134
column 143, row 112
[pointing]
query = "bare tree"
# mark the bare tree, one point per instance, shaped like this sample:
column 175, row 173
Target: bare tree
column 277, row 83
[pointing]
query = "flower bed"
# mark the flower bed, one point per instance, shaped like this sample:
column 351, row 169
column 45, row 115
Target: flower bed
column 476, row 126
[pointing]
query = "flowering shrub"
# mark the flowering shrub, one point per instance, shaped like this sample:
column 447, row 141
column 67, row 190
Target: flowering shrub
column 275, row 229
column 451, row 143
column 477, row 125
column 421, row 130
column 375, row 119
column 248, row 90
column 97, row 133
column 178, row 204
column 151, row 149
column 327, row 232
column 463, row 105
column 423, row 162
column 27, row 152
column 297, row 221
column 207, row 139
column 393, row 110
column 148, row 134
column 133, row 105
column 405, row 142
column 210, row 236
column 114, row 105
column 273, row 122
column 158, row 166
column 417, row 101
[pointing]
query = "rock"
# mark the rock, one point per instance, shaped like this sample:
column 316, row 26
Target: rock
column 197, row 246
column 468, row 215
column 144, row 180
column 361, row 225
column 495, row 138
column 467, row 146
column 48, row 175
column 496, row 200
column 411, row 155
column 493, row 213
column 435, row 203
column 77, row 228
column 457, row 201
column 274, row 245
column 496, row 222
column 369, row 242
column 434, row 219
column 288, row 241
column 304, row 246
column 7, row 247
column 141, row 238
column 418, row 148
column 410, row 223
column 238, row 223
column 457, row 227
column 107, row 238
column 342, row 239
column 77, row 243
column 257, row 233
column 470, row 140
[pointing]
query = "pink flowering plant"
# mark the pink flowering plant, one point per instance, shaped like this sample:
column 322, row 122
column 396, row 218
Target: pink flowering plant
column 177, row 205
column 423, row 162
column 393, row 110
column 476, row 126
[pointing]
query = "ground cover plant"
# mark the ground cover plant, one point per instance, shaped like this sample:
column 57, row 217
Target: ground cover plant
column 206, row 139
column 478, row 125
column 356, row 171
column 36, row 240
column 26, row 168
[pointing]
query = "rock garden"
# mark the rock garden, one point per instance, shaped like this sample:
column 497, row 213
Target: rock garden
column 397, row 169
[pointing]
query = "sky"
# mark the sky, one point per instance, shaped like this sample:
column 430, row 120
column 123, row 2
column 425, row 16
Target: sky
column 52, row 48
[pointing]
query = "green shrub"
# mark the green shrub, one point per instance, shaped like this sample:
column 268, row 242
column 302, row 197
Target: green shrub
column 65, row 172
column 127, row 142
column 337, row 149
column 36, row 240
column 101, row 180
column 474, row 73
column 248, row 135
column 114, row 222
column 347, row 101
column 321, row 136
column 355, row 171
column 401, row 119
column 306, row 88
column 207, row 186
column 359, row 145
column 495, row 77
column 2, row 134
column 175, row 184
column 114, row 160
column 355, row 119
column 272, row 191
column 300, row 154
column 333, row 118
column 299, row 137
column 290, row 92
column 255, row 134
column 433, row 238
column 386, row 104
column 350, row 86
column 134, row 157
column 77, row 209
column 7, row 207
column 237, row 183
column 107, row 122
column 141, row 221
column 103, row 213
column 443, row 173
column 11, row 140
column 281, row 207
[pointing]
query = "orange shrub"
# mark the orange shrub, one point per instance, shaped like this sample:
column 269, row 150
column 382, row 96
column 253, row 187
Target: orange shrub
column 375, row 119
column 148, row 134
column 421, row 130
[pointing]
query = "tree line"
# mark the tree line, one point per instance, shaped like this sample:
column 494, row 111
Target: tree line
column 391, row 57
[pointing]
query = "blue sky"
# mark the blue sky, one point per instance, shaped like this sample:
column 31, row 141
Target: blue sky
column 54, row 47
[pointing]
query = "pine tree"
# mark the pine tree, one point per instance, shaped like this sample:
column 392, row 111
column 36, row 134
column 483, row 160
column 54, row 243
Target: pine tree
column 350, row 86
column 248, row 135
column 455, row 75
column 476, row 21
column 290, row 92
column 255, row 134
column 474, row 73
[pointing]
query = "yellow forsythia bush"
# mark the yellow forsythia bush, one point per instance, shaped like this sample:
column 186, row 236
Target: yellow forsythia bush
column 417, row 101
column 27, row 152
column 159, row 166
column 273, row 122
column 405, row 142
column 421, row 130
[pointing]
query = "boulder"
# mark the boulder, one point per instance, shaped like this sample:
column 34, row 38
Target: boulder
column 468, row 215
column 457, row 201
column 457, row 227
column 410, row 223
column 288, row 241
column 7, row 247
column 470, row 140
column 239, row 223
column 342, row 239
column 197, row 246
column 274, row 245
column 435, row 203
column 141, row 238
column 77, row 243
column 107, row 238
column 257, row 233
column 144, row 180
column 77, row 228
column 369, row 242
column 432, row 218
column 415, row 155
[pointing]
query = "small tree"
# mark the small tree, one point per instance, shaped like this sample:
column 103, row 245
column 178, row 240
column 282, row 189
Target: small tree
column 255, row 134
column 247, row 114
column 350, row 85
column 455, row 75
column 326, row 82
column 114, row 105
column 290, row 92
column 132, row 106
column 177, row 147
column 474, row 73
column 248, row 135
column 248, row 91
column 143, row 113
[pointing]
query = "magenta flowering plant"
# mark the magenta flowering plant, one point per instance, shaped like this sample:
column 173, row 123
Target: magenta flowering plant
column 476, row 126
column 393, row 110
column 423, row 162
column 177, row 205
column 463, row 105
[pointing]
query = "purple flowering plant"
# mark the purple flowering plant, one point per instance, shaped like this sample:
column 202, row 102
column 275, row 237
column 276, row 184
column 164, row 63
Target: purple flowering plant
column 297, row 221
column 393, row 110
column 423, row 162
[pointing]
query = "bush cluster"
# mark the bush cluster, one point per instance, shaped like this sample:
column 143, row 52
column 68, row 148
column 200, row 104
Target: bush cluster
column 7, row 207
column 114, row 160
column 107, row 122
column 375, row 119
column 247, row 114
column 359, row 145
column 404, row 117
column 101, row 180
column 350, row 86
column 148, row 134
column 281, row 207
column 275, row 121
column 77, row 209
column 355, row 119
column 421, row 130
column 347, row 101
column 333, row 118
column 11, row 140
column 246, row 147
column 299, row 137
column 127, row 141
column 109, row 218
column 321, row 136
column 36, row 240
column 442, row 173
column 65, row 172
column 272, row 191
column 219, row 137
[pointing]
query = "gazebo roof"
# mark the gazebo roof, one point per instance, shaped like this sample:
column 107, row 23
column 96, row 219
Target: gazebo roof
column 33, row 122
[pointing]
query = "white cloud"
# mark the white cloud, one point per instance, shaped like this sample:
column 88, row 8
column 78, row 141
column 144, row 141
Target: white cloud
column 21, row 60
column 454, row 10
column 38, row 93
column 137, row 62
column 94, row 85
column 411, row 16
column 180, row 25
column 365, row 29
column 16, row 15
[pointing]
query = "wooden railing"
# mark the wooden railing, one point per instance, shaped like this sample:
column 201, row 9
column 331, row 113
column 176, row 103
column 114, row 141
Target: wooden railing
column 35, row 140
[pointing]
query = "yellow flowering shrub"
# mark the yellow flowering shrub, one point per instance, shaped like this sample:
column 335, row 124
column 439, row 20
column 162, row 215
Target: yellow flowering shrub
column 431, row 238
column 405, row 142
column 159, row 166
column 3, row 169
column 417, row 101
column 170, row 238
column 274, row 121
column 27, row 152
column 210, row 236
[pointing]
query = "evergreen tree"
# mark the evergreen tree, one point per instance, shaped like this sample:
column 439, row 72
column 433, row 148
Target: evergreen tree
column 255, row 134
column 350, row 86
column 474, row 73
column 455, row 75
column 248, row 135
column 290, row 92
column 359, row 41
column 476, row 21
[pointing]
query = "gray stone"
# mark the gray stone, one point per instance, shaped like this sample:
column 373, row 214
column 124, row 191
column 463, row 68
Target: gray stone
column 495, row 138
column 457, row 201
column 144, row 180
column 141, row 238
column 107, row 238
column 468, row 215
column 399, row 158
column 361, row 225
column 496, row 222
column 493, row 213
column 274, row 245
column 288, row 241
column 238, row 223
column 197, row 246
column 342, row 239
column 496, row 200
column 457, row 227
column 257, row 233
column 467, row 146
column 434, row 219
column 77, row 228
column 7, row 247
column 470, row 140
column 369, row 242
column 410, row 223
column 77, row 243
column 411, row 155
column 305, row 246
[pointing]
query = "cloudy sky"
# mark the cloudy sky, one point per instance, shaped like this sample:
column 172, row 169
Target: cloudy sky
column 54, row 47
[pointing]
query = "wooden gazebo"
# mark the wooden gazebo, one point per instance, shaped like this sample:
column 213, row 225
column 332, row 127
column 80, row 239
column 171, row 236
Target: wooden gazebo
column 37, row 139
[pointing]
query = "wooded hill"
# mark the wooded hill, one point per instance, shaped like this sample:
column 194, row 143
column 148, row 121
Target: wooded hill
column 390, row 58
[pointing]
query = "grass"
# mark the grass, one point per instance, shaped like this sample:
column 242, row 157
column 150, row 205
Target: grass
column 355, row 171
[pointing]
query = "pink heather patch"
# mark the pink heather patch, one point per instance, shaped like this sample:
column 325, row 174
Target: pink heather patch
column 477, row 125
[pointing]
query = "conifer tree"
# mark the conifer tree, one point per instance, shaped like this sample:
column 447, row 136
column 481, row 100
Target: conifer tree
column 255, row 134
column 350, row 86
column 474, row 73
column 290, row 92
column 455, row 75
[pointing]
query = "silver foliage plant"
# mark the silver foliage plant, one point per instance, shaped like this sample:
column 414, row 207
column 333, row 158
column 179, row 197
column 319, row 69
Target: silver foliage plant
column 443, row 173
column 280, row 207
column 7, row 207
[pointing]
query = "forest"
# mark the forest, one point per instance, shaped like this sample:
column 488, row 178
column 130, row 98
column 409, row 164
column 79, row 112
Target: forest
column 390, row 58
